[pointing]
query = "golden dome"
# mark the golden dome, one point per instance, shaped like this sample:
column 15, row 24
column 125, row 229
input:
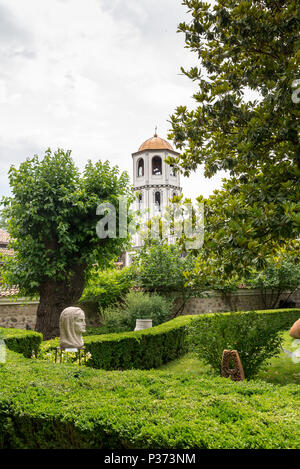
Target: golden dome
column 155, row 143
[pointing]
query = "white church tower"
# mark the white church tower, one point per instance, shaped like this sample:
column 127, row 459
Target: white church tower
column 155, row 181
column 153, row 178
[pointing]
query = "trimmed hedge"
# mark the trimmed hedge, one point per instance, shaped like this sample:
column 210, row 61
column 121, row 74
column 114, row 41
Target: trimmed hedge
column 283, row 318
column 43, row 405
column 21, row 341
column 63, row 406
column 146, row 349
column 153, row 347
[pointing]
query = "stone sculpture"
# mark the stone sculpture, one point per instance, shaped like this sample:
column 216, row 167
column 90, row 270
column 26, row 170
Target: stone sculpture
column 236, row 373
column 295, row 330
column 71, row 326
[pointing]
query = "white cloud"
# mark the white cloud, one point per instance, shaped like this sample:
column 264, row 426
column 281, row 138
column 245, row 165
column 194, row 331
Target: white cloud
column 95, row 77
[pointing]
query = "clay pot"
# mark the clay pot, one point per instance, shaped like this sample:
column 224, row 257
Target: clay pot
column 143, row 324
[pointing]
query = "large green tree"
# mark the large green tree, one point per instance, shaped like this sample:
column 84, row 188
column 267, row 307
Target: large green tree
column 245, row 49
column 52, row 222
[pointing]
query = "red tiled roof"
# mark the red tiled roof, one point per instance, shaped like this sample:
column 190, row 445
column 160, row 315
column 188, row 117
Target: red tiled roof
column 9, row 292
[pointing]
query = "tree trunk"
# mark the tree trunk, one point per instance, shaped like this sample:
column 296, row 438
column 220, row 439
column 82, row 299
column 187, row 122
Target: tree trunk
column 55, row 296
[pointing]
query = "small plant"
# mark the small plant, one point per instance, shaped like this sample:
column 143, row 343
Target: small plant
column 256, row 338
column 137, row 305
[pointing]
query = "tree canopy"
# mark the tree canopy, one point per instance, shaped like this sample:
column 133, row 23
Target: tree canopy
column 52, row 223
column 246, row 119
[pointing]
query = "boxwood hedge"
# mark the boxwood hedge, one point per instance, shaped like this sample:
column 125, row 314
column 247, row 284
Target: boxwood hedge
column 153, row 347
column 43, row 405
column 21, row 340
column 145, row 349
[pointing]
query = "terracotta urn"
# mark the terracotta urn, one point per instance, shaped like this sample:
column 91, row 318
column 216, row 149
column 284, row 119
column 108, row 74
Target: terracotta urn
column 143, row 324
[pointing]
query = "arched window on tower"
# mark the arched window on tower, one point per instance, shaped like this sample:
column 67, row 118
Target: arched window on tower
column 157, row 201
column 157, row 166
column 140, row 169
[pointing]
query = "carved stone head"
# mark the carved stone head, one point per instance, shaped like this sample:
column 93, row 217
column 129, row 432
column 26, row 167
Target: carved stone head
column 71, row 326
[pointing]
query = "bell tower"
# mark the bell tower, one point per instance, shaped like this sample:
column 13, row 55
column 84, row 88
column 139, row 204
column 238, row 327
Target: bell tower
column 154, row 179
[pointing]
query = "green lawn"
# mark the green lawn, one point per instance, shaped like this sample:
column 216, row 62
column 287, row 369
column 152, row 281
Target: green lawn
column 280, row 370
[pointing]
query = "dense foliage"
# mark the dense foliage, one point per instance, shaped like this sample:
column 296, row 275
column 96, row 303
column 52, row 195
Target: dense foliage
column 162, row 268
column 107, row 287
column 3, row 222
column 255, row 335
column 52, row 217
column 246, row 122
column 62, row 406
column 276, row 279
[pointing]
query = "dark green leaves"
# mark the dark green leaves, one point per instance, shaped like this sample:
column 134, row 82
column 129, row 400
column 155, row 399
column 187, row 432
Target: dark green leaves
column 52, row 218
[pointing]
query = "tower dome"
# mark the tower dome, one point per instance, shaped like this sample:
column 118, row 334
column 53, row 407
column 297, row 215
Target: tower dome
column 155, row 143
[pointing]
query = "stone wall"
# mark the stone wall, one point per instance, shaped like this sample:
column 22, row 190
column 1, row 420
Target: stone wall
column 21, row 314
column 241, row 300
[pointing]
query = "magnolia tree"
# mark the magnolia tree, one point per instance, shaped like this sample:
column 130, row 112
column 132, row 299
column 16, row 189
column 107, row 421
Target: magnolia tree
column 246, row 121
column 52, row 217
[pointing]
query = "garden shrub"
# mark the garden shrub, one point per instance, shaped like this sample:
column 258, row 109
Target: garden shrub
column 137, row 305
column 277, row 278
column 47, row 406
column 107, row 287
column 21, row 341
column 255, row 335
column 162, row 268
column 145, row 349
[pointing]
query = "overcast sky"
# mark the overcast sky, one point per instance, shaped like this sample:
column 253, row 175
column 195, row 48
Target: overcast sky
column 93, row 76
